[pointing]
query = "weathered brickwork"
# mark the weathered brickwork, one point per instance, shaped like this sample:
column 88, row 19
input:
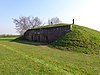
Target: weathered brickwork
column 49, row 34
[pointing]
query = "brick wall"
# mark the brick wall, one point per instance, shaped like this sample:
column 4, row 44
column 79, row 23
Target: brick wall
column 46, row 34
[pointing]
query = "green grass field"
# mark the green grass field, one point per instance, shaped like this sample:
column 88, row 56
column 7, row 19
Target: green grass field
column 25, row 59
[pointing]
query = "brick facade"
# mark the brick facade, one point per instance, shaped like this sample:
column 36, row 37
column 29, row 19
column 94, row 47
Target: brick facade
column 49, row 34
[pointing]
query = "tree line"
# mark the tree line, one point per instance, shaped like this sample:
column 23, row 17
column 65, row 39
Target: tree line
column 24, row 23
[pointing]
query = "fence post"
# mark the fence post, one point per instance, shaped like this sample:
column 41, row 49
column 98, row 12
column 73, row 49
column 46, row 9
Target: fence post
column 73, row 21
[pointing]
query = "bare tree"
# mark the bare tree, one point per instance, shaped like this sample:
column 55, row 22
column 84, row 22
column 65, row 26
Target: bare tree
column 24, row 23
column 54, row 20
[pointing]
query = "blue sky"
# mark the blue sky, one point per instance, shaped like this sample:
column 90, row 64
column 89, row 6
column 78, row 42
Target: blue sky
column 85, row 12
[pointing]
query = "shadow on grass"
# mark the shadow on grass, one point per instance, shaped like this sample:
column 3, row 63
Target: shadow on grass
column 72, row 48
column 23, row 41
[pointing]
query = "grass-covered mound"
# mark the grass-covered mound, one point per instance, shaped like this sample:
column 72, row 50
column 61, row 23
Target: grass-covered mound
column 81, row 39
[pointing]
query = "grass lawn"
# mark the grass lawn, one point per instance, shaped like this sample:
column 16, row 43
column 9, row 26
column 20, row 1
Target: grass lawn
column 24, row 59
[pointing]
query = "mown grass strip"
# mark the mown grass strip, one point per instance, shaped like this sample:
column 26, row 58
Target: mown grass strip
column 38, row 60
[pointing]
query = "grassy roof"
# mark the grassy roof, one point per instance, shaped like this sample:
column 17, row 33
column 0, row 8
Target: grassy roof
column 52, row 25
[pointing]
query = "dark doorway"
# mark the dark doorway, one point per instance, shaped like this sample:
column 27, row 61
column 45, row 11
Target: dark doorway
column 46, row 38
column 38, row 38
